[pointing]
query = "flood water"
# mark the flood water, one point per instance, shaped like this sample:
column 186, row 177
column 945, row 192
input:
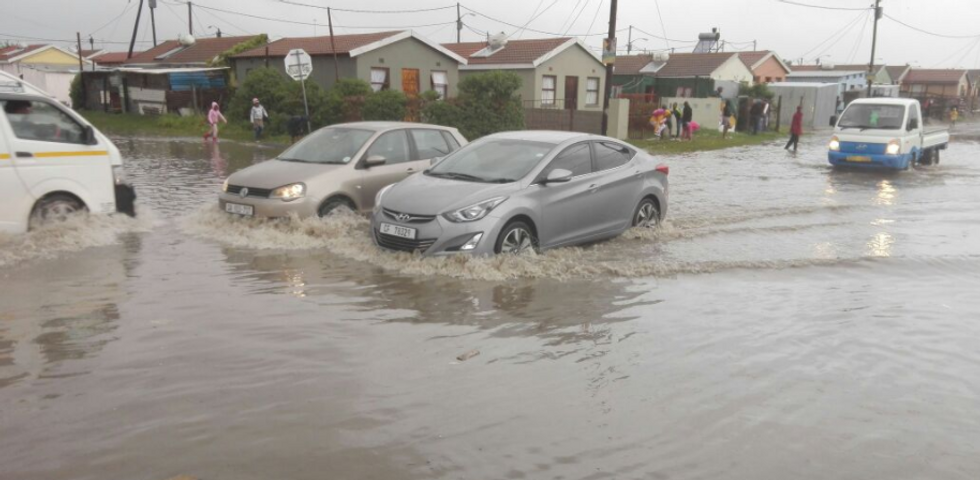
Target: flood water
column 788, row 322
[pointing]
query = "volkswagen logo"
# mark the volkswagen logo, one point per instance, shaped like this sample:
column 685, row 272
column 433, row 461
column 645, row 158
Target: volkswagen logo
column 243, row 193
column 403, row 217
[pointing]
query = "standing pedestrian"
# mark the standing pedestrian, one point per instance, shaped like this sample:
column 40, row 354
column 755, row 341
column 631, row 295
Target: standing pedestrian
column 726, row 115
column 257, row 117
column 686, row 119
column 668, row 121
column 214, row 116
column 678, row 118
column 795, row 130
column 954, row 115
column 755, row 115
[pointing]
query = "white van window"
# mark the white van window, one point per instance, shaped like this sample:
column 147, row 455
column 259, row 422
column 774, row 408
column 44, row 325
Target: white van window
column 41, row 121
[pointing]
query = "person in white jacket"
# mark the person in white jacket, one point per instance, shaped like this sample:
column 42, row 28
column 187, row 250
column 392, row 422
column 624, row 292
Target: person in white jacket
column 257, row 117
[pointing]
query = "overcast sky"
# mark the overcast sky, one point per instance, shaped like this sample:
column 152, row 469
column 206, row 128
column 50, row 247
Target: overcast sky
column 838, row 36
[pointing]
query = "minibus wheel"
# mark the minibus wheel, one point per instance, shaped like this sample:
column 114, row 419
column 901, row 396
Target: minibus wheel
column 57, row 207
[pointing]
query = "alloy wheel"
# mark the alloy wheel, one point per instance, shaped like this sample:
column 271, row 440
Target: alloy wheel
column 646, row 216
column 517, row 240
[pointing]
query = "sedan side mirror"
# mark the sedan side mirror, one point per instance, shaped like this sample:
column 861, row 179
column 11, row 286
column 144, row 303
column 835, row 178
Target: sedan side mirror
column 374, row 161
column 558, row 175
column 88, row 135
column 913, row 124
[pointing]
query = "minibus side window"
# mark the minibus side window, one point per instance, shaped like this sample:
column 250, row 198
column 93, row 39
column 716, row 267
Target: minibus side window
column 41, row 121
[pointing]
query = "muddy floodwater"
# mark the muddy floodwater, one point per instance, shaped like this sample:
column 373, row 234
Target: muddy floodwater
column 787, row 322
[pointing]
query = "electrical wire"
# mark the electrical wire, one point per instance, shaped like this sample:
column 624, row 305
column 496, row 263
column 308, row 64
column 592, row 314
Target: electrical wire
column 540, row 2
column 534, row 30
column 350, row 10
column 664, row 38
column 834, row 35
column 662, row 27
column 117, row 17
column 594, row 17
column 822, row 7
column 572, row 13
column 926, row 31
column 552, row 4
column 860, row 40
column 62, row 40
column 971, row 46
column 226, row 22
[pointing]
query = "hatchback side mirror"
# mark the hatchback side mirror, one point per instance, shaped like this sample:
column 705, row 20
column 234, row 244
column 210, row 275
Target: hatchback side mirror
column 558, row 175
column 374, row 161
column 913, row 124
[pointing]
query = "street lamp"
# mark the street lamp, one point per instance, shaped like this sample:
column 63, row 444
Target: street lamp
column 218, row 30
column 629, row 46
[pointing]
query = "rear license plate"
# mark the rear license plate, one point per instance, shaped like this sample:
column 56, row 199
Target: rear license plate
column 239, row 209
column 859, row 159
column 395, row 230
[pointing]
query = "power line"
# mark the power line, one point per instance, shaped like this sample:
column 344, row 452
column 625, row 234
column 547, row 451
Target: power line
column 822, row 7
column 660, row 37
column 334, row 9
column 572, row 13
column 538, row 31
column 926, row 31
column 594, row 17
column 117, row 17
column 294, row 22
column 63, row 40
column 662, row 27
column 226, row 22
column 533, row 18
column 860, row 40
column 836, row 34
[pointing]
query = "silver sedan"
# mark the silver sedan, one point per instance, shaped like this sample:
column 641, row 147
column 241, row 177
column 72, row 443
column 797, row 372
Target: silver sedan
column 515, row 191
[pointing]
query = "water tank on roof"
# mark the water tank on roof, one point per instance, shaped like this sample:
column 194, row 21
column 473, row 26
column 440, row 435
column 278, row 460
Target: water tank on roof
column 498, row 41
column 186, row 40
column 661, row 57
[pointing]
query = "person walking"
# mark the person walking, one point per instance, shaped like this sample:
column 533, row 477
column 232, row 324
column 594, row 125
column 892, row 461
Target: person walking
column 726, row 115
column 257, row 117
column 795, row 130
column 686, row 119
column 954, row 115
column 678, row 118
column 214, row 116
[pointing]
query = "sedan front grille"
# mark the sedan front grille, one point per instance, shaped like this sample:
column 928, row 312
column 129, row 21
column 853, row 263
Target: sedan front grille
column 407, row 217
column 392, row 242
column 252, row 191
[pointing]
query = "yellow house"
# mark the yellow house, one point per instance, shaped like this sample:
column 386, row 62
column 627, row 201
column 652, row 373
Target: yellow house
column 39, row 55
column 48, row 67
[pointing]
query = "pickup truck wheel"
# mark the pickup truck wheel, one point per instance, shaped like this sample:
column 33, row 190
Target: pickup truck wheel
column 935, row 157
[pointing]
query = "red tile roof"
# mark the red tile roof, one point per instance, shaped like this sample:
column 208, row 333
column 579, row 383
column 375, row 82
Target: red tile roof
column 202, row 51
column 836, row 68
column 89, row 53
column 752, row 58
column 515, row 52
column 6, row 53
column 318, row 45
column 631, row 64
column 684, row 65
column 111, row 58
column 921, row 75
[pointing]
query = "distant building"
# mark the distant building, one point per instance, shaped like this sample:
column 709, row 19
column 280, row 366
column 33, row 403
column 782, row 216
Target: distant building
column 846, row 80
column 199, row 52
column 897, row 73
column 636, row 74
column 49, row 67
column 397, row 60
column 109, row 59
column 699, row 75
column 936, row 84
column 766, row 66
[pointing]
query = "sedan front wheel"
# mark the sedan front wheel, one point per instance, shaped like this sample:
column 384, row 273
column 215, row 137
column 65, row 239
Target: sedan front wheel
column 516, row 238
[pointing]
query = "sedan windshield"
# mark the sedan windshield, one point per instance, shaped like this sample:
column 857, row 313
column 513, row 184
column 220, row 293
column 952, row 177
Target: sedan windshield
column 498, row 160
column 865, row 116
column 328, row 145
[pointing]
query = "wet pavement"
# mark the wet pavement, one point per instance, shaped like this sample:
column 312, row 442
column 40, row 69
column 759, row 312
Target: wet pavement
column 789, row 321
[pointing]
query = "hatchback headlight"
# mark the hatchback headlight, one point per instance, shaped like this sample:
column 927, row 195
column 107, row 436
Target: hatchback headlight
column 834, row 144
column 474, row 212
column 894, row 147
column 290, row 192
column 224, row 186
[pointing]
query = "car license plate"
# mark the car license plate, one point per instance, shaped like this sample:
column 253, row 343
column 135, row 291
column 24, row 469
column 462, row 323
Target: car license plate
column 404, row 232
column 859, row 159
column 239, row 209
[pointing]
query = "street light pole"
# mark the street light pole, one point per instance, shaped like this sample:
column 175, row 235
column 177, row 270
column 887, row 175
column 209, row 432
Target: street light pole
column 629, row 41
column 874, row 44
column 611, row 46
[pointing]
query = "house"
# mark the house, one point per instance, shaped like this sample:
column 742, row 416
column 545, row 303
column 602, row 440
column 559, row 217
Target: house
column 879, row 76
column 49, row 67
column 186, row 52
column 634, row 74
column 897, row 73
column 397, row 60
column 700, row 75
column 109, row 59
column 847, row 80
column 555, row 72
column 929, row 83
column 766, row 66
column 153, row 91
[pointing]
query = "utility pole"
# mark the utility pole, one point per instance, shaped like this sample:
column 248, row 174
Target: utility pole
column 333, row 47
column 459, row 24
column 153, row 20
column 629, row 41
column 91, row 45
column 874, row 44
column 611, row 45
column 136, row 27
column 190, row 18
column 81, row 70
column 755, row 45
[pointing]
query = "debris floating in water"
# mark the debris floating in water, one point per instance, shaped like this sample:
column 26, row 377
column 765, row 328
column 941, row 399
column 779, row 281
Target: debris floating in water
column 468, row 355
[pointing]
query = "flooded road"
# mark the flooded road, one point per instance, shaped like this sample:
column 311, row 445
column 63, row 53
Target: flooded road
column 789, row 321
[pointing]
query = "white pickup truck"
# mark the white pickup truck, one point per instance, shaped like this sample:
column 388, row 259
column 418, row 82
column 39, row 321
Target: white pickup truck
column 885, row 133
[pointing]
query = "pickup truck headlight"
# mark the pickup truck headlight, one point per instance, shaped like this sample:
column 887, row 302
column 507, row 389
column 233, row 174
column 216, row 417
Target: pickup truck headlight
column 288, row 193
column 834, row 144
column 894, row 147
column 474, row 212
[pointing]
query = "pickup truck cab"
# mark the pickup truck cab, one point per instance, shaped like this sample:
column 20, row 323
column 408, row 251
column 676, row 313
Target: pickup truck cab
column 53, row 163
column 885, row 133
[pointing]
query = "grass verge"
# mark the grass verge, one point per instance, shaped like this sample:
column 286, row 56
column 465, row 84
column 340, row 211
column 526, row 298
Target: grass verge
column 706, row 140
column 172, row 126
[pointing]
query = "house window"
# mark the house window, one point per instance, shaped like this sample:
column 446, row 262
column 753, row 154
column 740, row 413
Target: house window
column 768, row 79
column 440, row 83
column 548, row 83
column 592, row 91
column 684, row 92
column 379, row 79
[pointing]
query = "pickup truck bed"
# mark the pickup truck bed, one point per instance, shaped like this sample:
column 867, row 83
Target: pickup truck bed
column 934, row 137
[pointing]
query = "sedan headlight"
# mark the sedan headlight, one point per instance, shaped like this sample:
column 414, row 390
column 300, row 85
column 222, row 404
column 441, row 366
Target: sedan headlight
column 118, row 174
column 224, row 186
column 834, row 144
column 894, row 147
column 474, row 212
column 379, row 195
column 288, row 193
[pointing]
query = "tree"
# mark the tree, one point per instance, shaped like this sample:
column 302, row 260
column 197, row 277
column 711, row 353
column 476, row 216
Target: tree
column 487, row 103
column 266, row 84
column 345, row 100
column 759, row 90
column 77, row 94
column 385, row 105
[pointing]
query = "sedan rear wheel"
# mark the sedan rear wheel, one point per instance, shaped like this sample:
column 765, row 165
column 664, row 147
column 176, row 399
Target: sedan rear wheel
column 647, row 215
column 516, row 238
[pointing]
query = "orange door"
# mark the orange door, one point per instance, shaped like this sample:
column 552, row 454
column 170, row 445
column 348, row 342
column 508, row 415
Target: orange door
column 410, row 82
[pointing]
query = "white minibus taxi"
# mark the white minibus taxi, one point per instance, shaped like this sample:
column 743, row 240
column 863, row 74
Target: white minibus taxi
column 53, row 163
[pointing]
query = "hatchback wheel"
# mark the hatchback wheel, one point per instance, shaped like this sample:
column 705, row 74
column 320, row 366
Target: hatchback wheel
column 647, row 215
column 335, row 205
column 516, row 238
column 56, row 208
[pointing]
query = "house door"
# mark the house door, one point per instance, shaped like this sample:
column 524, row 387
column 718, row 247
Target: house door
column 410, row 82
column 571, row 93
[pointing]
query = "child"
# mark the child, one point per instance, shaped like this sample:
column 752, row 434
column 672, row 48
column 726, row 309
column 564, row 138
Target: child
column 214, row 116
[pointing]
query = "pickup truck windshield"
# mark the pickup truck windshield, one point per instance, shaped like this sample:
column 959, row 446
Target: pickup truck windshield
column 865, row 116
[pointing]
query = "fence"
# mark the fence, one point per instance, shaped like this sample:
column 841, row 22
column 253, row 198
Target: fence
column 553, row 115
column 642, row 106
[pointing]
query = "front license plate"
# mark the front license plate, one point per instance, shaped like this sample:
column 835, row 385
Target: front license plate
column 859, row 159
column 395, row 230
column 239, row 209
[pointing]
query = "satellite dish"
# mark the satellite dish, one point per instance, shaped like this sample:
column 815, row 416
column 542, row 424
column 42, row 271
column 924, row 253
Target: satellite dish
column 187, row 40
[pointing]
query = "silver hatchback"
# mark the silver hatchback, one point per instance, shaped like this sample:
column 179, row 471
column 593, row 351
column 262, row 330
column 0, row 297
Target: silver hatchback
column 510, row 192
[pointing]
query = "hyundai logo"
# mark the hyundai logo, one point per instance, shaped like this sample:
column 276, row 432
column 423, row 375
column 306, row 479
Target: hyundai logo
column 403, row 217
column 244, row 192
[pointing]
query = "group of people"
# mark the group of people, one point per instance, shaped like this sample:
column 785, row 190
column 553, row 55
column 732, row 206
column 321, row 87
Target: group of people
column 664, row 122
column 257, row 117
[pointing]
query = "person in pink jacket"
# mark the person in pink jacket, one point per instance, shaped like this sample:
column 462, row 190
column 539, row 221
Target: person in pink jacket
column 214, row 116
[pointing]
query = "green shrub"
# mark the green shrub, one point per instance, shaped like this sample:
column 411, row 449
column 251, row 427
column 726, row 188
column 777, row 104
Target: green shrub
column 346, row 99
column 266, row 84
column 487, row 103
column 385, row 105
column 77, row 94
column 759, row 90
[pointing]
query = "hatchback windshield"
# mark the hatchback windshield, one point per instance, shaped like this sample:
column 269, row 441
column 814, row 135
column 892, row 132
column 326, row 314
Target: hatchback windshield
column 328, row 145
column 865, row 116
column 498, row 161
